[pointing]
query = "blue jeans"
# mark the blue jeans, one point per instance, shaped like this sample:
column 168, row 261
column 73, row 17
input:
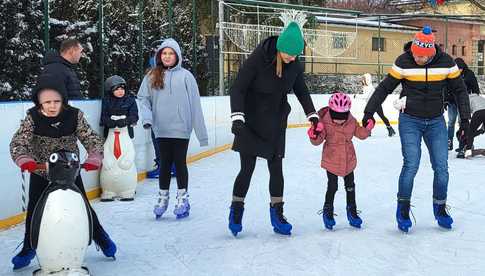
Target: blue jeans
column 433, row 132
column 452, row 113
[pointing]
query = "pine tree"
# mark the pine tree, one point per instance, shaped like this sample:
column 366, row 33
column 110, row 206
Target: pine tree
column 20, row 33
column 22, row 40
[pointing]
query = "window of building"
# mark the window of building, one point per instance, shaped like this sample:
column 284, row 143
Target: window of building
column 339, row 41
column 453, row 50
column 463, row 50
column 378, row 42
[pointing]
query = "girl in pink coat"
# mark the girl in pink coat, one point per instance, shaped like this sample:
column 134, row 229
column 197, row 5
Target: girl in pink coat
column 337, row 127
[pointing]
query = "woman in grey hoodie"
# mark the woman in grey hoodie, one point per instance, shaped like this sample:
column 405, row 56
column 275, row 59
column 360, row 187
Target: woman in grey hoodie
column 170, row 105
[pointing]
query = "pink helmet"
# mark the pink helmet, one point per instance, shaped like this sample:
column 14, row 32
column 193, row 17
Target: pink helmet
column 340, row 102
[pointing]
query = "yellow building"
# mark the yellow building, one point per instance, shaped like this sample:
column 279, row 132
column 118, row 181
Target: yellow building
column 358, row 41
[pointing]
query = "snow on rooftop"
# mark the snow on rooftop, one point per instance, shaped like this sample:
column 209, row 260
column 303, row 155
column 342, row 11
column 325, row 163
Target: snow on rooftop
column 363, row 23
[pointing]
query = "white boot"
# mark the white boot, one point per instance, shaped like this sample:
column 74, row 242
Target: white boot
column 162, row 203
column 182, row 207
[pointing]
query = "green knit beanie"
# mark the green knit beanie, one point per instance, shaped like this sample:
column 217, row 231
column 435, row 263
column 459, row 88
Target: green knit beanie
column 290, row 40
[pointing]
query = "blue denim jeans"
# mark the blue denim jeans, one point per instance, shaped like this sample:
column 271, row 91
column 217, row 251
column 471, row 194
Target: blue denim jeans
column 433, row 131
column 452, row 114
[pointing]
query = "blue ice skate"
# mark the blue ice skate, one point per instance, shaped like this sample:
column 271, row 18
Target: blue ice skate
column 278, row 221
column 402, row 215
column 235, row 217
column 441, row 215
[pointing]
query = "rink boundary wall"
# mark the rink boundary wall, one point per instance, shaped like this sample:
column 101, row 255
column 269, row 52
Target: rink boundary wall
column 217, row 116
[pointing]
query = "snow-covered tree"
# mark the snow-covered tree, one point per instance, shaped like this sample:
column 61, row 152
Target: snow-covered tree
column 21, row 39
column 21, row 45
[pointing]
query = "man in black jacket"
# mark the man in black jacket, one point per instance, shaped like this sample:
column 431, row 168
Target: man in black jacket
column 424, row 71
column 61, row 66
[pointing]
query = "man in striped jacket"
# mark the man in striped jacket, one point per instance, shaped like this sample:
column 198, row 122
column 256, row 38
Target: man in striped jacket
column 424, row 71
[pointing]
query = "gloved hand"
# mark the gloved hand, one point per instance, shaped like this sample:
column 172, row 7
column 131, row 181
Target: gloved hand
column 312, row 131
column 26, row 163
column 370, row 124
column 237, row 127
column 367, row 117
column 147, row 126
column 463, row 131
column 316, row 130
column 93, row 162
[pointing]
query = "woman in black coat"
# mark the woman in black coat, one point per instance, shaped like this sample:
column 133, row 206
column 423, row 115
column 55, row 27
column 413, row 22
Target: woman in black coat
column 260, row 110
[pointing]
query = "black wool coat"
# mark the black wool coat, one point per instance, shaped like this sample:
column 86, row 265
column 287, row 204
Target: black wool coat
column 260, row 96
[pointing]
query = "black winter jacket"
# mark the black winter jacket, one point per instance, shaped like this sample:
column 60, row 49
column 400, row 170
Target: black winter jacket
column 469, row 79
column 112, row 105
column 259, row 97
column 56, row 65
column 424, row 86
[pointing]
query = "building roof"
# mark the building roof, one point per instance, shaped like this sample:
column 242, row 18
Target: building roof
column 363, row 22
column 424, row 16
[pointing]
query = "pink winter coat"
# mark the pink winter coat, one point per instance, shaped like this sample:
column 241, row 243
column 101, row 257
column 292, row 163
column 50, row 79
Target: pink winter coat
column 338, row 155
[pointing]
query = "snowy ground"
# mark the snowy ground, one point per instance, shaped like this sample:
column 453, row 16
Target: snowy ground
column 202, row 244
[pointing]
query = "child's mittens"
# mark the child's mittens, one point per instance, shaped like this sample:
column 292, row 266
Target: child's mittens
column 93, row 162
column 370, row 125
column 26, row 163
column 313, row 131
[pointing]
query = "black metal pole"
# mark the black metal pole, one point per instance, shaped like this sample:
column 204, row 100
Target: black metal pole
column 101, row 46
column 170, row 17
column 194, row 38
column 141, row 7
column 46, row 25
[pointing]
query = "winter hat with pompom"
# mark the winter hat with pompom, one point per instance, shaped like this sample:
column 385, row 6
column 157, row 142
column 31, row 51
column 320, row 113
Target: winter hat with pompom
column 423, row 43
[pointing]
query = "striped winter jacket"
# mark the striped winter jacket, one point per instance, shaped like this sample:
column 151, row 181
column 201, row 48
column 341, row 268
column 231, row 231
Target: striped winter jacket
column 424, row 86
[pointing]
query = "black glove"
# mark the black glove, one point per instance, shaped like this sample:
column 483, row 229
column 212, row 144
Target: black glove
column 121, row 123
column 463, row 132
column 237, row 127
column 445, row 105
column 147, row 126
column 367, row 117
column 314, row 121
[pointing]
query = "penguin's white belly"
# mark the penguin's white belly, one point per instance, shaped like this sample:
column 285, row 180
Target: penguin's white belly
column 117, row 180
column 64, row 231
column 118, row 175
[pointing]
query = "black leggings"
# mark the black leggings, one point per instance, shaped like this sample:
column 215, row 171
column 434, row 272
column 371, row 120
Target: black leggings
column 380, row 112
column 478, row 119
column 332, row 188
column 243, row 179
column 173, row 150
column 37, row 186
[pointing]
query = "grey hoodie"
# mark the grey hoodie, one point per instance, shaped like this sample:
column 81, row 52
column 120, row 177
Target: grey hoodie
column 174, row 110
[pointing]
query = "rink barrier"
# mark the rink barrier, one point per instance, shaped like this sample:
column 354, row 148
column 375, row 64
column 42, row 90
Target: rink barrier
column 96, row 192
column 216, row 111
